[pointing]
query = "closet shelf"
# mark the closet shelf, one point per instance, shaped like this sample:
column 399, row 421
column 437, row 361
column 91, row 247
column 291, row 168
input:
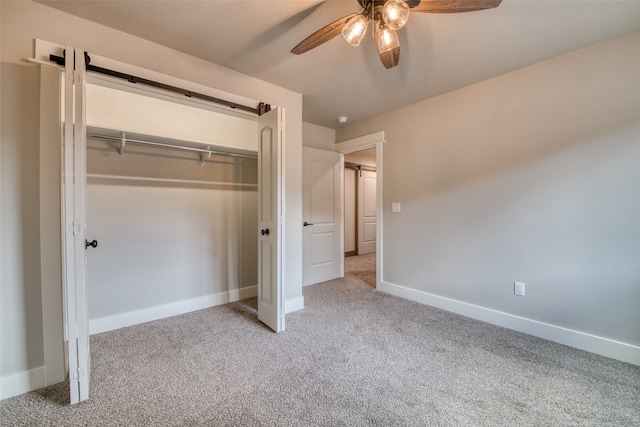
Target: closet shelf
column 96, row 178
column 204, row 149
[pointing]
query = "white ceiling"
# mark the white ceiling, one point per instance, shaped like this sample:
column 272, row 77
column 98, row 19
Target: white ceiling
column 439, row 53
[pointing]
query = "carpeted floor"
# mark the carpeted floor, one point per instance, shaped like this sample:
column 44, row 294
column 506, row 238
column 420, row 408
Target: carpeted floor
column 352, row 357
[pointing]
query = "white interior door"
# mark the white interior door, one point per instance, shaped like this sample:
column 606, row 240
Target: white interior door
column 76, row 321
column 366, row 212
column 270, row 219
column 350, row 241
column 322, row 213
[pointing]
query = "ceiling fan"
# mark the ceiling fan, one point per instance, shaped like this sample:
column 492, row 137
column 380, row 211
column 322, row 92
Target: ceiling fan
column 387, row 17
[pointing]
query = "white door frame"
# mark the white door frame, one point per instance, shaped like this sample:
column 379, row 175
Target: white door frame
column 373, row 140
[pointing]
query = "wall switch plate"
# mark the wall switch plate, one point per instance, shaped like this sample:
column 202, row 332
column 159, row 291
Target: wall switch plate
column 395, row 207
column 518, row 288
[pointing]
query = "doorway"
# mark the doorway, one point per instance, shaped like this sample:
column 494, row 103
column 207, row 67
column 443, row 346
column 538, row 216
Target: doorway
column 174, row 225
column 365, row 153
column 360, row 204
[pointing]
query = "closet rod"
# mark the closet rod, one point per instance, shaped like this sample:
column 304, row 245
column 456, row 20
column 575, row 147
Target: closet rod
column 259, row 110
column 165, row 145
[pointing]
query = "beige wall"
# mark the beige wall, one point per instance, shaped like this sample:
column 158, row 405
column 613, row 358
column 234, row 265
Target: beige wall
column 319, row 137
column 22, row 331
column 532, row 176
column 21, row 342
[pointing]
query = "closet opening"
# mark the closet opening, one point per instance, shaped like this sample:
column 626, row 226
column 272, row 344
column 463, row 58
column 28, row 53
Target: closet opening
column 171, row 199
column 188, row 204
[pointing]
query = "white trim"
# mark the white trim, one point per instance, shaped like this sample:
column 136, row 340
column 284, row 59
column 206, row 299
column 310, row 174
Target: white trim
column 379, row 213
column 360, row 143
column 45, row 63
column 117, row 321
column 16, row 384
column 583, row 341
column 294, row 304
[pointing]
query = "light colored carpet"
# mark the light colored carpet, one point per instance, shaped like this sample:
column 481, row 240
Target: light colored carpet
column 352, row 357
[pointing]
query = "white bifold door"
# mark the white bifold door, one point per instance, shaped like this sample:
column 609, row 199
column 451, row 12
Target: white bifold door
column 76, row 319
column 367, row 211
column 323, row 215
column 270, row 219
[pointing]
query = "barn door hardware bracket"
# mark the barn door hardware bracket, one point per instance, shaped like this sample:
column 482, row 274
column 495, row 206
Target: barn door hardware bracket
column 259, row 110
column 263, row 108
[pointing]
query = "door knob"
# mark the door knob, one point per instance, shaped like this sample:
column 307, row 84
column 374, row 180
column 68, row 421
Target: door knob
column 306, row 223
column 265, row 232
column 93, row 243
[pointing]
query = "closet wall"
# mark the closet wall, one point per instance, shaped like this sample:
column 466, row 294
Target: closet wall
column 174, row 233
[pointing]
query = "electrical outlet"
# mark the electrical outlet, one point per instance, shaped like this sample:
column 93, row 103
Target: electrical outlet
column 395, row 207
column 518, row 288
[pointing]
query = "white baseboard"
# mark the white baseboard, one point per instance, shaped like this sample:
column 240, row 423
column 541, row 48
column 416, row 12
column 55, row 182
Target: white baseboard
column 117, row 321
column 16, row 384
column 293, row 304
column 594, row 344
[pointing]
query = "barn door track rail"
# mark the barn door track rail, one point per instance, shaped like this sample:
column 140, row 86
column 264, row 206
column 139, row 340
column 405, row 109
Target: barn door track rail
column 259, row 110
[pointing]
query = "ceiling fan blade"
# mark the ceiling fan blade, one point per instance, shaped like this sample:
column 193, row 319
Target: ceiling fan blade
column 323, row 35
column 390, row 58
column 454, row 6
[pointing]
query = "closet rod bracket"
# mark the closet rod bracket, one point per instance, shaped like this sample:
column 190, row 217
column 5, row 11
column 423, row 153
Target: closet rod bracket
column 204, row 155
column 123, row 142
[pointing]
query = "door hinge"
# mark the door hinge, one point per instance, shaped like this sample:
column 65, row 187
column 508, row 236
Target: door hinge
column 78, row 374
column 76, row 228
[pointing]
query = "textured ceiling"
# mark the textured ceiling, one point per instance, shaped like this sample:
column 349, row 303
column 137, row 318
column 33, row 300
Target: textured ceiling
column 439, row 53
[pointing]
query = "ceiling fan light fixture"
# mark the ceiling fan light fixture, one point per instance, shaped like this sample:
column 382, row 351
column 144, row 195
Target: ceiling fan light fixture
column 395, row 14
column 386, row 38
column 387, row 16
column 355, row 29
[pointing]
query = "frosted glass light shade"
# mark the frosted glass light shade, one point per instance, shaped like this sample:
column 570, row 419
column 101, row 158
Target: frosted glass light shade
column 355, row 29
column 386, row 38
column 395, row 14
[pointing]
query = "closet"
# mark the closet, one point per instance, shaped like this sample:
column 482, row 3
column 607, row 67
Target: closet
column 172, row 200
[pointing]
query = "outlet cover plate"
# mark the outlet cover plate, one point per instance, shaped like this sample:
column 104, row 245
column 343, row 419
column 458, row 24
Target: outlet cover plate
column 518, row 288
